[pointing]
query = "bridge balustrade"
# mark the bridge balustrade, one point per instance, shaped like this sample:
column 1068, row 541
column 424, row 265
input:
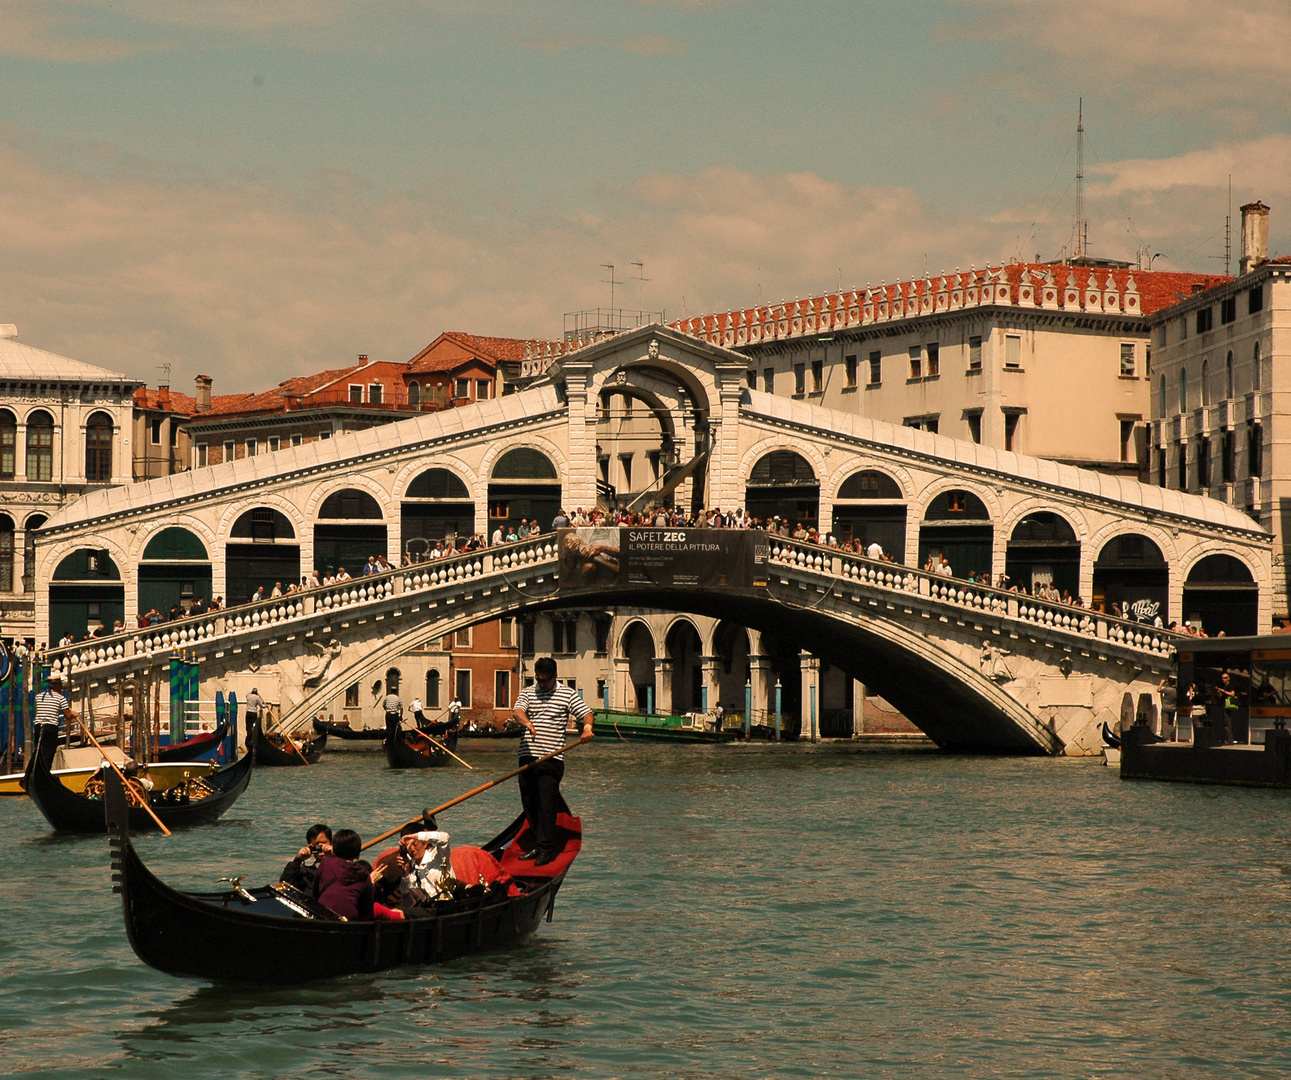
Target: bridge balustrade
column 971, row 595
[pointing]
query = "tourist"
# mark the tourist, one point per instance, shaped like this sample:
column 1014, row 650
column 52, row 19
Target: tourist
column 543, row 710
column 560, row 521
column 258, row 595
column 344, row 881
column 1169, row 706
column 302, row 871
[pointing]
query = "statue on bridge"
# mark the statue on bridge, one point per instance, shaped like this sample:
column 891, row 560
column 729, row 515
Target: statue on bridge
column 992, row 663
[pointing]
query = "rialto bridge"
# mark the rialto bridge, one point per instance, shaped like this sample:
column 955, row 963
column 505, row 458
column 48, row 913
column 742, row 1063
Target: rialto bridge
column 657, row 415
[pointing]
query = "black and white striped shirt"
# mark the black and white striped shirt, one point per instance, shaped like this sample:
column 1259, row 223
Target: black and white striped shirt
column 50, row 706
column 549, row 713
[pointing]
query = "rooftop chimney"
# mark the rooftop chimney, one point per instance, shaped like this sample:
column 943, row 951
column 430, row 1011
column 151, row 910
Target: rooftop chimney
column 1255, row 236
column 363, row 359
column 203, row 392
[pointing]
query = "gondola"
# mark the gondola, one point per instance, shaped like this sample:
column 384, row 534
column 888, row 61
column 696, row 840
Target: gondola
column 270, row 753
column 1110, row 738
column 204, row 800
column 277, row 934
column 198, row 746
column 345, row 733
column 412, row 750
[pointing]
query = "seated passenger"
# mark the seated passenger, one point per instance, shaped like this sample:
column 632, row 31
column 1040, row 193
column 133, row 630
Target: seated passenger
column 303, row 869
column 418, row 870
column 344, row 881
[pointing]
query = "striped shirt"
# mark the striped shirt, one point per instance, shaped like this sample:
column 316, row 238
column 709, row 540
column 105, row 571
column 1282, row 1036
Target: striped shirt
column 50, row 706
column 549, row 713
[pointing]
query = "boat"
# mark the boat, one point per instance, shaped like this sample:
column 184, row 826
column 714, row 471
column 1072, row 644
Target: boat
column 412, row 750
column 164, row 775
column 199, row 746
column 691, row 727
column 1209, row 758
column 272, row 750
column 364, row 738
column 193, row 801
column 277, row 934
column 1111, row 747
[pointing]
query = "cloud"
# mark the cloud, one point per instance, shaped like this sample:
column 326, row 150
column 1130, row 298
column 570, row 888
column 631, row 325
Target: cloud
column 1263, row 165
column 638, row 44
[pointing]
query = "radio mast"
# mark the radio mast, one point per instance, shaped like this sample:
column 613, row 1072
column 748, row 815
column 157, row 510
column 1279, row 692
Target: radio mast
column 1082, row 226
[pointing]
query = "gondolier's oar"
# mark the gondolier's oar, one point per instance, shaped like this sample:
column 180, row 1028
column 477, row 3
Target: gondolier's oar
column 435, row 742
column 287, row 738
column 124, row 782
column 471, row 794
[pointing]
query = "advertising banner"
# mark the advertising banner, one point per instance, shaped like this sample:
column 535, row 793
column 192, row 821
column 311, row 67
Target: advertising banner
column 630, row 557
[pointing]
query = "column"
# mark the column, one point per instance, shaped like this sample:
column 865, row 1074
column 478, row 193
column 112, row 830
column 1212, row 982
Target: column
column 858, row 708
column 762, row 676
column 663, row 667
column 711, row 667
column 809, row 672
column 623, row 697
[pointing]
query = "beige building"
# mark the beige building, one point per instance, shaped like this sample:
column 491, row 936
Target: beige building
column 1220, row 383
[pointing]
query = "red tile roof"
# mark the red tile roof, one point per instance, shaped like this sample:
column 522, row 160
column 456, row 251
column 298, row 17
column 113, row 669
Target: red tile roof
column 163, row 399
column 494, row 350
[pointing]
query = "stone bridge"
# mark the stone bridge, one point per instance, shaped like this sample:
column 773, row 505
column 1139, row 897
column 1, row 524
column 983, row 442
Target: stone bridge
column 974, row 666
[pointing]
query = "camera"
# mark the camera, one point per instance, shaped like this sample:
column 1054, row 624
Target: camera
column 316, row 849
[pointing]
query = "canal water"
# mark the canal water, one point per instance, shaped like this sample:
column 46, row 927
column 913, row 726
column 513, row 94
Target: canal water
column 746, row 911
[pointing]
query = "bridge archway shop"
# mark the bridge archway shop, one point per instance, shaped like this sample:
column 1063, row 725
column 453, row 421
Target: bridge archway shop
column 87, row 593
column 524, row 484
column 350, row 530
column 175, row 570
column 1131, row 574
column 262, row 550
column 1220, row 595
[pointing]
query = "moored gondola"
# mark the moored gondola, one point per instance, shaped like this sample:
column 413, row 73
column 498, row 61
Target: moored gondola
column 412, row 750
column 199, row 746
column 371, row 737
column 277, row 934
column 196, row 801
column 277, row 753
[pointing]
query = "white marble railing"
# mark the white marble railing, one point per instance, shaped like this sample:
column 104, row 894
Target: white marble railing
column 972, row 596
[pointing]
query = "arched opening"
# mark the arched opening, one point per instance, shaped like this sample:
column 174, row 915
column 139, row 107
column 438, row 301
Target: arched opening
column 1183, row 389
column 524, row 485
column 1205, row 381
column 784, row 662
column 685, row 649
column 731, row 649
column 1228, row 375
column 40, row 446
column 1221, row 595
column 98, row 448
column 8, row 445
column 1044, row 551
column 262, row 550
column 393, row 678
column 1256, row 375
column 436, row 505
column 958, row 526
column 7, row 534
column 414, row 395
column 86, row 596
column 1131, row 575
column 31, row 528
column 637, row 646
column 870, row 509
column 433, row 689
column 174, row 573
column 350, row 530
column 783, row 484
column 1163, row 406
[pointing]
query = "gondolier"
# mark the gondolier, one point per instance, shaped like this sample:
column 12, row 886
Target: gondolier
column 394, row 714
column 52, row 708
column 544, row 710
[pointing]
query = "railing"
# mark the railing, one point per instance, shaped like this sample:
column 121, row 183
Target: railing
column 973, row 596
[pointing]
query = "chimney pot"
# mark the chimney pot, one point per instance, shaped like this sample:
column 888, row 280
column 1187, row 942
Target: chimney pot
column 363, row 359
column 203, row 393
column 1255, row 237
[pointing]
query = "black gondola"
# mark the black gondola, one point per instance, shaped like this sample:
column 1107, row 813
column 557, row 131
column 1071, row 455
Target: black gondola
column 1109, row 738
column 345, row 733
column 68, row 811
column 277, row 934
column 412, row 750
column 269, row 752
column 197, row 747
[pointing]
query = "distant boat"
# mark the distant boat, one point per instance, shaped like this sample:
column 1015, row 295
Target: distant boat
column 657, row 728
column 412, row 750
column 370, row 737
column 273, row 750
column 198, row 746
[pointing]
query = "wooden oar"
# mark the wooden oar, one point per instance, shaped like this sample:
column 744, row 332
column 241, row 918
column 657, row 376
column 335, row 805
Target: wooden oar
column 435, row 742
column 124, row 782
column 286, row 737
column 470, row 794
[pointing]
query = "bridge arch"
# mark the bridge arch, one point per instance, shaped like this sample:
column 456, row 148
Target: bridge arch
column 1043, row 548
column 1132, row 575
column 174, row 568
column 638, row 652
column 524, row 482
column 86, row 590
column 782, row 478
column 1220, row 593
column 684, row 650
column 436, row 502
column 871, row 505
column 956, row 522
column 262, row 547
column 349, row 527
column 656, row 363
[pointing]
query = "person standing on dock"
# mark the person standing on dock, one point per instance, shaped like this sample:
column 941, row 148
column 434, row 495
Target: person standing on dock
column 1169, row 707
column 544, row 710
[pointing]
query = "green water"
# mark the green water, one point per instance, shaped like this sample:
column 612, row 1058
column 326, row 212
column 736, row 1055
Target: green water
column 736, row 912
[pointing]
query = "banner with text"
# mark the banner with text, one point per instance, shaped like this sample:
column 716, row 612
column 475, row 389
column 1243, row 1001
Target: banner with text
column 595, row 558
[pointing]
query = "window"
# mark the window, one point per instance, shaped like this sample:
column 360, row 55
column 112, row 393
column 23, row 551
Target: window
column 1227, row 472
column 1013, row 352
column 1255, row 367
column 228, row 451
column 1182, row 447
column 432, row 690
column 800, row 379
column 1205, row 319
column 155, row 430
column 1255, row 448
column 768, row 380
column 356, row 394
column 923, row 423
column 1205, row 380
column 253, row 447
column 1127, row 439
column 1147, row 358
column 352, row 696
column 463, row 638
column 463, row 687
column 1255, row 300
column 849, row 365
column 414, row 396
column 751, row 378
column 916, row 362
column 1228, row 374
column 8, row 445
column 98, row 449
column 275, row 443
column 1127, row 360
column 600, row 689
column 1161, row 403
column 501, row 689
column 174, row 434
column 603, row 634
column 40, row 446
column 817, row 376
column 6, row 553
column 1161, row 463
column 1203, row 462
column 974, row 425
column 295, row 438
column 934, row 359
column 507, row 633
column 975, row 353
column 526, row 639
column 876, row 368
column 483, row 389
column 375, row 393
column 200, row 455
column 1183, row 389
column 1011, row 420
column 1183, row 328
column 1228, row 310
column 462, row 388
column 325, row 434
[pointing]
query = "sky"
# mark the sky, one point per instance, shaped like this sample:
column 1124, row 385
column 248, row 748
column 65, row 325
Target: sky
column 256, row 190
